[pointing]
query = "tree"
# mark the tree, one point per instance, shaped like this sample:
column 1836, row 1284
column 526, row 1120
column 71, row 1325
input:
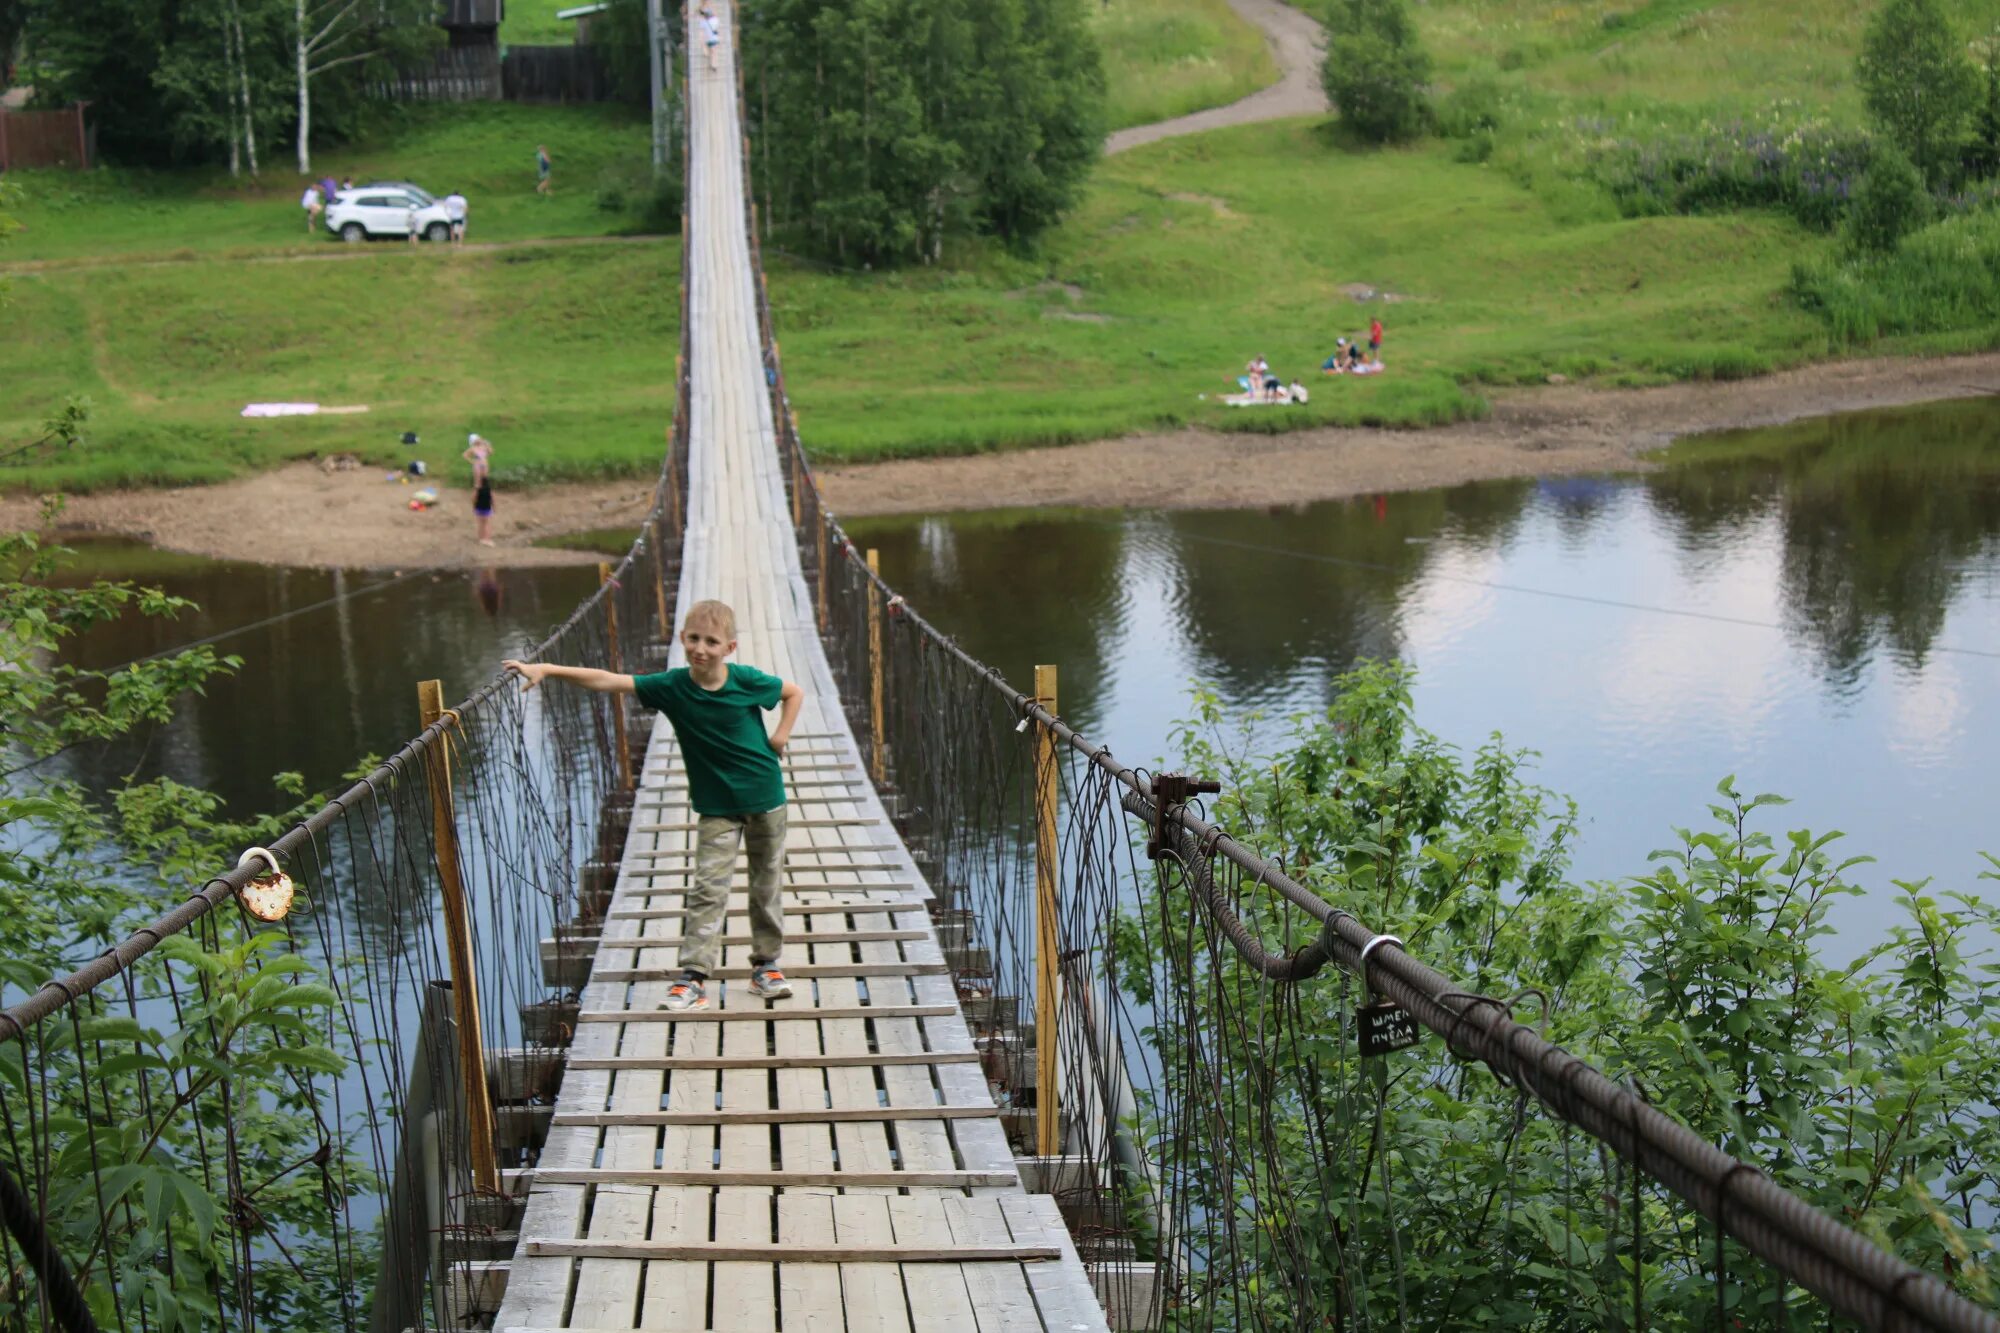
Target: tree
column 1375, row 71
column 332, row 34
column 1918, row 83
column 1889, row 204
column 1983, row 158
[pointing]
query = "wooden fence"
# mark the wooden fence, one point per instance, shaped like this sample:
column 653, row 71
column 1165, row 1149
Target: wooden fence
column 555, row 74
column 46, row 139
column 456, row 74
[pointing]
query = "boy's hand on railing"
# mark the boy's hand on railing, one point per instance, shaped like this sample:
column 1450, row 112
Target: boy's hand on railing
column 531, row 673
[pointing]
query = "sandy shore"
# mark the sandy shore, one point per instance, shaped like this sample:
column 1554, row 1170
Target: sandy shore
column 1543, row 431
column 299, row 515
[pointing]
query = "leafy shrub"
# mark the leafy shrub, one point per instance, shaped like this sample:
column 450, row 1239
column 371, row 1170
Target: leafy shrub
column 1472, row 115
column 1809, row 171
column 1943, row 278
column 1890, row 204
column 1375, row 71
column 1917, row 82
column 1713, row 979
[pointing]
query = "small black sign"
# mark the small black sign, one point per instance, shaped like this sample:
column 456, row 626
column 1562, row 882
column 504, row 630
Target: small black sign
column 1385, row 1026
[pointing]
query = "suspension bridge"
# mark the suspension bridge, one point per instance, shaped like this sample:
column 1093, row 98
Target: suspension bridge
column 978, row 1112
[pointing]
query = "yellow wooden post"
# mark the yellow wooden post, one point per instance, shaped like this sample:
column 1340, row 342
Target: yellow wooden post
column 875, row 665
column 458, row 942
column 1048, row 1097
column 622, row 743
column 660, row 583
column 824, row 573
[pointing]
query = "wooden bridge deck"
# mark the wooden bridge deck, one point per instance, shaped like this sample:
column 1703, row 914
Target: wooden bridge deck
column 835, row 1160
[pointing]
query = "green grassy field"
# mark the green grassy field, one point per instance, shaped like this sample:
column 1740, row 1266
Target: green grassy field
column 486, row 150
column 564, row 357
column 534, row 23
column 1183, row 260
column 1166, row 58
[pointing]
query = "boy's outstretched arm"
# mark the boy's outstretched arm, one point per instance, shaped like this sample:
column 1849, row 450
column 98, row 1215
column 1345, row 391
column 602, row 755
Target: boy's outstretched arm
column 604, row 682
column 790, row 700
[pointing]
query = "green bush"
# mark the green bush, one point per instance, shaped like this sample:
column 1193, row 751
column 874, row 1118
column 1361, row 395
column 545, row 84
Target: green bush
column 1918, row 83
column 1375, row 71
column 1941, row 279
column 1890, row 203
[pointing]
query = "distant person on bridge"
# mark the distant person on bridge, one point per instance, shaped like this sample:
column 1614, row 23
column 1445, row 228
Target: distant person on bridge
column 735, row 784
column 711, row 32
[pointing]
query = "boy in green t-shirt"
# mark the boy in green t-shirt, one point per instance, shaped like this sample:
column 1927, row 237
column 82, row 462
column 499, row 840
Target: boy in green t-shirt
column 734, row 783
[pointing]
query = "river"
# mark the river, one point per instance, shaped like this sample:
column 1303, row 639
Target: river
column 1811, row 609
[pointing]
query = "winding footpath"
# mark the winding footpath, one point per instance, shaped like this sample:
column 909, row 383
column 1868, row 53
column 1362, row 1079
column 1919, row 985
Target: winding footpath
column 1297, row 43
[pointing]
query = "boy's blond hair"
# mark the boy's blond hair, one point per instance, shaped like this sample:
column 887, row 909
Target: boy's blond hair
column 712, row 615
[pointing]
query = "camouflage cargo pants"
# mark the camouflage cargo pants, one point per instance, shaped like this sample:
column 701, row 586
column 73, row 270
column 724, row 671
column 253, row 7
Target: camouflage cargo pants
column 717, row 838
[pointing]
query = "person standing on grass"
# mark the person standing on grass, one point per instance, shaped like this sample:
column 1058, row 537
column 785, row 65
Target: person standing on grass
column 711, row 32
column 455, row 210
column 312, row 204
column 479, row 452
column 1375, row 339
column 735, row 784
column 542, row 168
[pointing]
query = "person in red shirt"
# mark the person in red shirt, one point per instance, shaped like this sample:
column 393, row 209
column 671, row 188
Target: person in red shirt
column 1375, row 339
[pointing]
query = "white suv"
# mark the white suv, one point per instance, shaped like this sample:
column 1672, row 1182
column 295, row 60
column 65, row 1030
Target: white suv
column 386, row 210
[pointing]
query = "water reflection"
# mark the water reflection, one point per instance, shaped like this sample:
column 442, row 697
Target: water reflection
column 330, row 661
column 1809, row 608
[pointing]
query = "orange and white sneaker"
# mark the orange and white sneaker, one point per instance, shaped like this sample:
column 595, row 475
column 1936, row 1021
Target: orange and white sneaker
column 769, row 983
column 686, row 993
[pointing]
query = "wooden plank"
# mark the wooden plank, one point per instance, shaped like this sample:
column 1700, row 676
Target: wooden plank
column 780, row 1061
column 1062, row 1291
column 717, row 1251
column 763, row 1015
column 803, row 909
column 773, row 1117
column 602, row 1175
column 872, row 1292
column 808, row 1293
column 690, row 826
column 798, row 972
column 939, row 1301
column 1001, row 1298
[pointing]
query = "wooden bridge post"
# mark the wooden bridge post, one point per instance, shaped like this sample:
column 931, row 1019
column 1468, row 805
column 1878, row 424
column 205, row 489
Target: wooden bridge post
column 875, row 667
column 458, row 941
column 824, row 573
column 615, row 663
column 660, row 586
column 1048, row 944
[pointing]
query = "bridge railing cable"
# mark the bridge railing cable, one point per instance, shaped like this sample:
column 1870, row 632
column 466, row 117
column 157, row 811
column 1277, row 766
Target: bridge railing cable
column 223, row 1123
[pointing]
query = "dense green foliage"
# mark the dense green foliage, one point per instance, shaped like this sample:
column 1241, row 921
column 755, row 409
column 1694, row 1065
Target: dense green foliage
column 1890, row 203
column 1918, row 83
column 167, row 78
column 1942, row 278
column 1376, row 70
column 1713, row 980
column 881, row 128
column 176, row 1120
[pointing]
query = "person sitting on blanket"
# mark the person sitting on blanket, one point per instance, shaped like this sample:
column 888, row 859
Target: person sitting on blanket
column 1337, row 363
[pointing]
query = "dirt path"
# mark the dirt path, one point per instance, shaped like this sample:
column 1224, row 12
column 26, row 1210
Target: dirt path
column 1532, row 432
column 299, row 515
column 297, row 254
column 1296, row 43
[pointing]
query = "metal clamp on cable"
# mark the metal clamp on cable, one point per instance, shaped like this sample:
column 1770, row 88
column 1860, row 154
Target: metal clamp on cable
column 1172, row 789
column 1380, row 1024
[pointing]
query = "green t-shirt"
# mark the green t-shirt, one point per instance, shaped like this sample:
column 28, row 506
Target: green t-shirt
column 731, row 769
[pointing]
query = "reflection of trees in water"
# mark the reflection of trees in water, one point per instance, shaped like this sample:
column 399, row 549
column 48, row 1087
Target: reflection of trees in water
column 1880, row 518
column 1239, row 607
column 1016, row 588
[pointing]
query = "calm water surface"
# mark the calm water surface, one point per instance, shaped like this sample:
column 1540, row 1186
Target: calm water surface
column 1811, row 609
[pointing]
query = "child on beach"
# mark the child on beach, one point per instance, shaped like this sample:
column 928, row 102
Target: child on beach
column 479, row 453
column 734, row 783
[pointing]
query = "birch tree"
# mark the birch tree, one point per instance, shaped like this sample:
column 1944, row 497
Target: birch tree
column 331, row 34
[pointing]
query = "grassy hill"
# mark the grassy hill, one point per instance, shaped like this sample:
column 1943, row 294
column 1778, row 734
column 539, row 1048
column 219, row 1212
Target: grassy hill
column 1501, row 257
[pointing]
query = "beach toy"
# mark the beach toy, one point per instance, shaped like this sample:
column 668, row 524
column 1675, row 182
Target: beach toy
column 410, row 438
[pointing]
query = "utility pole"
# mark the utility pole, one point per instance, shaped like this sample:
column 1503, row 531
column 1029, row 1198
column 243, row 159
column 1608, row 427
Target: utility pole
column 656, row 44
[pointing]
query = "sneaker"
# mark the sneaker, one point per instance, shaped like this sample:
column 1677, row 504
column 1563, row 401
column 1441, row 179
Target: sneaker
column 686, row 994
column 769, row 983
